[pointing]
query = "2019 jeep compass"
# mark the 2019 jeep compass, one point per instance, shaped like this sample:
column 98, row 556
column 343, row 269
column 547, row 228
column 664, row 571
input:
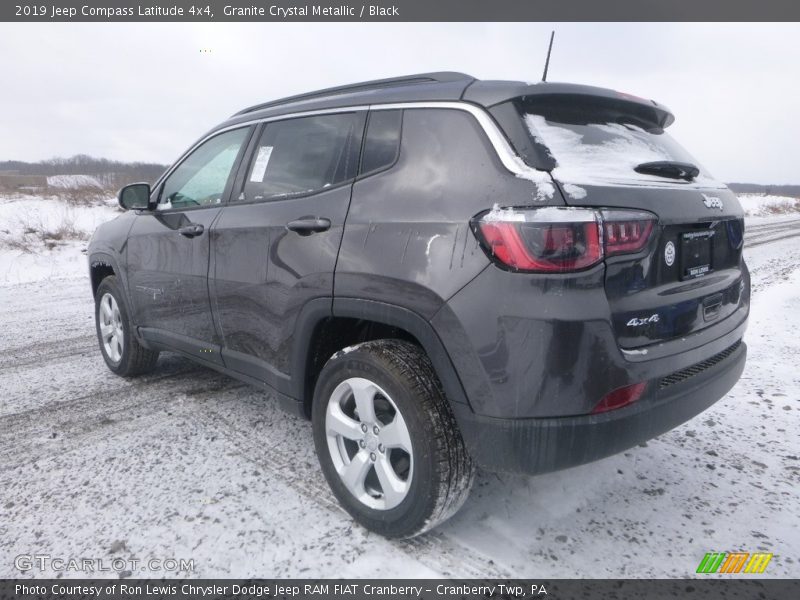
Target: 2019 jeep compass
column 441, row 272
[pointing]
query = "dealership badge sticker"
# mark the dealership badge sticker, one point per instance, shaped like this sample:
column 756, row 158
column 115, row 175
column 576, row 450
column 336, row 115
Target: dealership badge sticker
column 669, row 254
column 734, row 562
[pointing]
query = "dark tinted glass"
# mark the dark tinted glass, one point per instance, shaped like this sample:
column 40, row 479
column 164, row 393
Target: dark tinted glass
column 383, row 140
column 603, row 139
column 304, row 155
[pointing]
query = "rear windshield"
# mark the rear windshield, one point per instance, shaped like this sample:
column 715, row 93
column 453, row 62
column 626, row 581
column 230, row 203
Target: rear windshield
column 596, row 142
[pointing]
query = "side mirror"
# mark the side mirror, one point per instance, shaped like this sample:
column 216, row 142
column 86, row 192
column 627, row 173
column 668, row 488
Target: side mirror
column 135, row 195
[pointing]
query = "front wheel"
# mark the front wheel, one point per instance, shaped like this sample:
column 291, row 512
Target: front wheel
column 387, row 440
column 122, row 352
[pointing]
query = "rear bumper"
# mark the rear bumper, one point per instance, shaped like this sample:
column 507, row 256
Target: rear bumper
column 540, row 445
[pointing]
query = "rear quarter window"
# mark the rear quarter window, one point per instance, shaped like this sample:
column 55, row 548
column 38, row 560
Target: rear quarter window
column 382, row 143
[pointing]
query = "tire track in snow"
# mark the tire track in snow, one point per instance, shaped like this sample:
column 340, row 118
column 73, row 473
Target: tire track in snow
column 781, row 223
column 435, row 549
column 772, row 226
column 761, row 242
column 765, row 233
column 33, row 354
column 55, row 428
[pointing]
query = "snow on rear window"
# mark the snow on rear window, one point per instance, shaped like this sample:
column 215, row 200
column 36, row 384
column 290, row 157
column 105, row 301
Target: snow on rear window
column 588, row 152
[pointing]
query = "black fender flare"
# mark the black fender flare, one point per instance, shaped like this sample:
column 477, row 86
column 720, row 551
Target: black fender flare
column 316, row 310
column 110, row 258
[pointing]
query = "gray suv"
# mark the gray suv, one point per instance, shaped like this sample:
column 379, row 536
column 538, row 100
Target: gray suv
column 442, row 273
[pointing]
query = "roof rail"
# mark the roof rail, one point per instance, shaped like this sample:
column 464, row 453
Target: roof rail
column 439, row 77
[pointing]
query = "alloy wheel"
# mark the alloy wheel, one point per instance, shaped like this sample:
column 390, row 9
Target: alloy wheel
column 369, row 443
column 111, row 331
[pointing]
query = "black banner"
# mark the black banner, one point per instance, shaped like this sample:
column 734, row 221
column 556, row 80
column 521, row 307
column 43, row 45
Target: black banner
column 401, row 10
column 408, row 589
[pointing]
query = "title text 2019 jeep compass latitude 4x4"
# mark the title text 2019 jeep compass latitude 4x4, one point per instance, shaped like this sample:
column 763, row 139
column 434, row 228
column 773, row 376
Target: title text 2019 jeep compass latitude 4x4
column 441, row 272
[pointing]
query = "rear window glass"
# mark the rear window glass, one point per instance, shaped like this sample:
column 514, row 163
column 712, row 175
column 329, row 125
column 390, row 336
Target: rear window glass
column 598, row 143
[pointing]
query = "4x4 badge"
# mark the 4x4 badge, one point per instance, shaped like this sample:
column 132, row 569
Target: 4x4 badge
column 712, row 202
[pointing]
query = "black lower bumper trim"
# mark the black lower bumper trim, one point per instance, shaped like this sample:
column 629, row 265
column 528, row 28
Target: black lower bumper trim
column 542, row 445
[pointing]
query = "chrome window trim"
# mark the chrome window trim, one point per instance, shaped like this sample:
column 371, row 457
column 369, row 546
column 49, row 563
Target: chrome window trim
column 510, row 159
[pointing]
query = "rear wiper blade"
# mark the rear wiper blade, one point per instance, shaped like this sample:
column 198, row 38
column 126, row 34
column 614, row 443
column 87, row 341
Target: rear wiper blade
column 668, row 168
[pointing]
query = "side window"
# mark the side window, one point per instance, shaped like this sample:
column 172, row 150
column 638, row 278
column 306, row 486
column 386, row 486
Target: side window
column 304, row 155
column 201, row 178
column 383, row 140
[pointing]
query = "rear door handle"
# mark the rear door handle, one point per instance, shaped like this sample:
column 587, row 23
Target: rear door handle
column 309, row 225
column 191, row 230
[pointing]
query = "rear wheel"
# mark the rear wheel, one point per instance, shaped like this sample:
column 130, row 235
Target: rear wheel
column 387, row 441
column 120, row 348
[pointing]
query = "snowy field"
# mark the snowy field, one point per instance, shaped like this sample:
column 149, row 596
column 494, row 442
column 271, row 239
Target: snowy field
column 42, row 237
column 187, row 463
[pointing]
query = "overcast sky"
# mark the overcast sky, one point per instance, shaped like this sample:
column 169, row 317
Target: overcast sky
column 145, row 91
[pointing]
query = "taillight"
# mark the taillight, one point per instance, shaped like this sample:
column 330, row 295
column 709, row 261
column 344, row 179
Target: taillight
column 626, row 231
column 620, row 397
column 560, row 239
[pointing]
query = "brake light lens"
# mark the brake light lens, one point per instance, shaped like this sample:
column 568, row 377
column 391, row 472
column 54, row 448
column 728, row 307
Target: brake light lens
column 626, row 231
column 620, row 397
column 550, row 248
column 560, row 239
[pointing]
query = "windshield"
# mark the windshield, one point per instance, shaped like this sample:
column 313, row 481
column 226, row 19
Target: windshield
column 605, row 146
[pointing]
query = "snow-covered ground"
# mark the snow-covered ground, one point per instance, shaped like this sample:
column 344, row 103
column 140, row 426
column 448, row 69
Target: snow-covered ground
column 74, row 181
column 759, row 205
column 188, row 463
column 42, row 237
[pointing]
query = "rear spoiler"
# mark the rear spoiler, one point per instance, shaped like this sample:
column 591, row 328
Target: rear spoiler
column 492, row 93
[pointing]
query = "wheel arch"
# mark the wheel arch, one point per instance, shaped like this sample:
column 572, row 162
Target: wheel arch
column 102, row 265
column 325, row 326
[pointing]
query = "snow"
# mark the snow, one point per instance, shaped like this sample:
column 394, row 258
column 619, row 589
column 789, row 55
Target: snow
column 73, row 181
column 547, row 214
column 507, row 215
column 575, row 192
column 46, row 258
column 191, row 464
column 611, row 161
column 764, row 204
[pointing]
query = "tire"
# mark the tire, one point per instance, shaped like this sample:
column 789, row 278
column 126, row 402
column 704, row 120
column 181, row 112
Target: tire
column 431, row 480
column 125, row 356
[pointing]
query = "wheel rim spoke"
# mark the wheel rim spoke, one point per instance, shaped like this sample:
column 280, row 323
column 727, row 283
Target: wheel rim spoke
column 105, row 310
column 364, row 394
column 339, row 423
column 395, row 435
column 111, row 331
column 394, row 488
column 354, row 474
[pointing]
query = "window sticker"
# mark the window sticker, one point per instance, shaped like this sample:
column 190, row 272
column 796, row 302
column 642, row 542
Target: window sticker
column 260, row 166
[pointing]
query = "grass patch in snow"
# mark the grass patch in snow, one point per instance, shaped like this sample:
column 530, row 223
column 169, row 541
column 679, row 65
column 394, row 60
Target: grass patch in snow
column 764, row 205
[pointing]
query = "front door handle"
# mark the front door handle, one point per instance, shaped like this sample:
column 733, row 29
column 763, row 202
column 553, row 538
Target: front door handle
column 191, row 230
column 309, row 225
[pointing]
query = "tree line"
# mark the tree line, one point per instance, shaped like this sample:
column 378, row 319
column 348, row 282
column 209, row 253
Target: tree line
column 111, row 174
column 770, row 190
